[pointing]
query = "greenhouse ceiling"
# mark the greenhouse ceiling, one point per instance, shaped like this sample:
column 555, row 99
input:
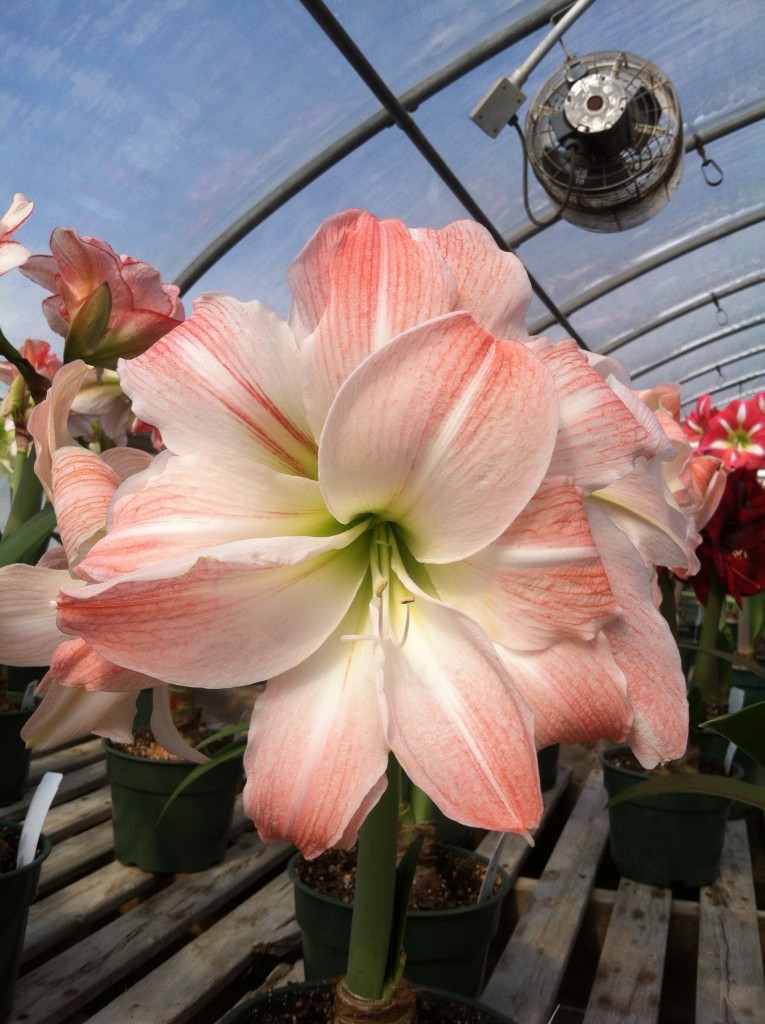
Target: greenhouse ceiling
column 210, row 138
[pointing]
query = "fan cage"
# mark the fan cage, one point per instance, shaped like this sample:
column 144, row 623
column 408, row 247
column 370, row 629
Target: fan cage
column 608, row 191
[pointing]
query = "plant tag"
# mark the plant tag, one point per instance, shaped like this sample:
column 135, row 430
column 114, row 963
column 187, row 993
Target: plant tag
column 28, row 700
column 487, row 885
column 735, row 703
column 38, row 810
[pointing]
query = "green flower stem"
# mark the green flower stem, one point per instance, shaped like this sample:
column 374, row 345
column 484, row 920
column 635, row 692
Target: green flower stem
column 375, row 888
column 422, row 806
column 668, row 602
column 706, row 675
column 27, row 493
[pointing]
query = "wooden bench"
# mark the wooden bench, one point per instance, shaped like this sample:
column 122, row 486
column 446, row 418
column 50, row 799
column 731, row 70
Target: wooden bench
column 110, row 944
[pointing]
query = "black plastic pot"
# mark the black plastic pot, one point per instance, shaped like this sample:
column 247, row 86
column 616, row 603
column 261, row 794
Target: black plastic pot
column 671, row 839
column 193, row 832
column 547, row 761
column 14, row 755
column 445, row 949
column 297, row 1001
column 18, row 889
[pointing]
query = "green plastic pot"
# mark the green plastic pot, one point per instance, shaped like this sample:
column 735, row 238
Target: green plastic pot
column 193, row 832
column 18, row 890
column 445, row 949
column 547, row 761
column 671, row 839
column 14, row 755
column 294, row 1001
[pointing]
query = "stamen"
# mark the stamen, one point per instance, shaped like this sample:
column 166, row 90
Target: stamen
column 407, row 601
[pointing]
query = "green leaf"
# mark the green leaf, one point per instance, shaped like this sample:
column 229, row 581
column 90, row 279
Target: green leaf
column 88, row 325
column 222, row 734
column 708, row 785
column 745, row 728
column 25, row 542
column 405, row 872
column 235, row 750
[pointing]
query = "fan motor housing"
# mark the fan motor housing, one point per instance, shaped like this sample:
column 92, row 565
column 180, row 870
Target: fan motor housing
column 604, row 138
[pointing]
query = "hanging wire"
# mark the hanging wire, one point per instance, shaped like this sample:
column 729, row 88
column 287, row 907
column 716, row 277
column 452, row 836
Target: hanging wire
column 720, row 316
column 557, row 214
column 710, row 169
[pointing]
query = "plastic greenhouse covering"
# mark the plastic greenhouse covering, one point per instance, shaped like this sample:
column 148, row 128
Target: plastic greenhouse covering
column 210, row 138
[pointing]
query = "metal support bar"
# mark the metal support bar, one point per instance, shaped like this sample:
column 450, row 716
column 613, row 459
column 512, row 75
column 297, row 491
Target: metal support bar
column 402, row 118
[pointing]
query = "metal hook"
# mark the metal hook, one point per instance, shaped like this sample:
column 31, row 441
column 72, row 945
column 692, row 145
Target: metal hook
column 720, row 316
column 710, row 169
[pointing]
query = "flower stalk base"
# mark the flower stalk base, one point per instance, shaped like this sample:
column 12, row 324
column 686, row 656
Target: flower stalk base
column 352, row 1009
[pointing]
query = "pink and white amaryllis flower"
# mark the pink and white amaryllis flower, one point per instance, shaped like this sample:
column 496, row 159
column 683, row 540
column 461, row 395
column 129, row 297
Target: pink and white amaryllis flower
column 143, row 307
column 13, row 253
column 385, row 517
column 82, row 691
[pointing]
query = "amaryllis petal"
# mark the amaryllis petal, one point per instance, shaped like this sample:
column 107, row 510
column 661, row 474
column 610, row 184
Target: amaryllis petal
column 644, row 650
column 431, row 433
column 458, row 727
column 28, row 631
column 575, row 690
column 541, row 581
column 67, row 714
column 232, row 607
column 48, row 421
column 356, row 290
column 641, row 504
column 708, row 475
column 164, row 730
column 493, row 285
column 234, row 367
column 322, row 724
column 164, row 513
column 599, row 438
column 83, row 486
column 13, row 254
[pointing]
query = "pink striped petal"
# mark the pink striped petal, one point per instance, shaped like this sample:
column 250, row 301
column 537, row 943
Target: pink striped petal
column 575, row 690
column 493, row 285
column 67, row 714
column 358, row 284
column 644, row 649
column 28, row 631
column 316, row 756
column 642, row 506
column 433, row 433
column 83, row 486
column 541, row 581
column 225, row 380
column 599, row 438
column 457, row 725
column 48, row 422
column 166, row 513
column 238, row 614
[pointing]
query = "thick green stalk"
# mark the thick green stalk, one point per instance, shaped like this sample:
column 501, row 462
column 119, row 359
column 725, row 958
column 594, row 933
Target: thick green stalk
column 423, row 807
column 375, row 889
column 706, row 675
column 668, row 601
column 27, row 493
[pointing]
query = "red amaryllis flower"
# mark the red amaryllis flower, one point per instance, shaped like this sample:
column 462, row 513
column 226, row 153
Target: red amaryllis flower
column 736, row 434
column 733, row 542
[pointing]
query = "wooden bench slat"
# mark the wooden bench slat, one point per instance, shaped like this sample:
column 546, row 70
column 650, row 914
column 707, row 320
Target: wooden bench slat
column 74, row 784
column 183, row 985
column 59, row 987
column 627, row 988
column 526, row 980
column 65, row 759
column 70, row 913
column 76, row 856
column 515, row 848
column 730, row 986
